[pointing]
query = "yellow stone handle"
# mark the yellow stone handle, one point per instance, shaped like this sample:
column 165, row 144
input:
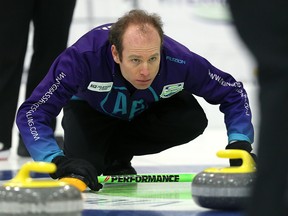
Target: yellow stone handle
column 248, row 164
column 23, row 179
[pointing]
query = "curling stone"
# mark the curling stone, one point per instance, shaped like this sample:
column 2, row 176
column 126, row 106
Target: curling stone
column 225, row 188
column 25, row 196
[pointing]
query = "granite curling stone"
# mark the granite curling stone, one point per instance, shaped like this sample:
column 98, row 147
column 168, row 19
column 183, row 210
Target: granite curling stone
column 28, row 197
column 225, row 188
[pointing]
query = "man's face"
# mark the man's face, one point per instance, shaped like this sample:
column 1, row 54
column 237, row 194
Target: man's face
column 140, row 56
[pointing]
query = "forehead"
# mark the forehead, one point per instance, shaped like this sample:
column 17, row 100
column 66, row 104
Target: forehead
column 141, row 35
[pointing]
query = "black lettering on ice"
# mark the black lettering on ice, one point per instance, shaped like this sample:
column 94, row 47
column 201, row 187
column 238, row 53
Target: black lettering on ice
column 145, row 178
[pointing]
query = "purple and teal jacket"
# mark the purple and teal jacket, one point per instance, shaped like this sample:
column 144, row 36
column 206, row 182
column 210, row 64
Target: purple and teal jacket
column 86, row 71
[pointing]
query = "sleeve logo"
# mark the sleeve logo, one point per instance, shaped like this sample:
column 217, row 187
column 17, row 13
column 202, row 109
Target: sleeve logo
column 100, row 86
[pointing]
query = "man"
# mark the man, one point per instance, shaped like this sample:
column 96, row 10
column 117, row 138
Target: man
column 127, row 90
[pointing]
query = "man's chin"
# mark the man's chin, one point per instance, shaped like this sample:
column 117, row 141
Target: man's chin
column 142, row 87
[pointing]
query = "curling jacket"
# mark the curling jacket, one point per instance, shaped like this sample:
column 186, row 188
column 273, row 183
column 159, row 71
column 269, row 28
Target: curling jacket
column 87, row 71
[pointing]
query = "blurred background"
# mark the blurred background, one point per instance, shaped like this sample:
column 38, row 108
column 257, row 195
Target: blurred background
column 206, row 28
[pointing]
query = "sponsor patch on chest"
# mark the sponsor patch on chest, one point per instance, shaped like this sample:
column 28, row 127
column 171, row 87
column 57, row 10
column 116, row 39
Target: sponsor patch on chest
column 170, row 90
column 100, row 86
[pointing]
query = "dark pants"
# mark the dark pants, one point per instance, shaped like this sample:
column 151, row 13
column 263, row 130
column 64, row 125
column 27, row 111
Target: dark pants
column 101, row 139
column 263, row 25
column 51, row 20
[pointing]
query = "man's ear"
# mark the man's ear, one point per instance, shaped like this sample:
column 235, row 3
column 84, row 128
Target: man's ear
column 115, row 54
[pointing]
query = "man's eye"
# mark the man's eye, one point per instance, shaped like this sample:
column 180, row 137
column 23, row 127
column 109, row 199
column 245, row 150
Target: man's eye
column 153, row 59
column 135, row 60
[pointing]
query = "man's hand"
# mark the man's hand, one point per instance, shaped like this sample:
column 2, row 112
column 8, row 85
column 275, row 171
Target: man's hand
column 241, row 145
column 68, row 166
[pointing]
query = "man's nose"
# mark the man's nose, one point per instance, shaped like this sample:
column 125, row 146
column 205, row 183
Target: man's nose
column 144, row 70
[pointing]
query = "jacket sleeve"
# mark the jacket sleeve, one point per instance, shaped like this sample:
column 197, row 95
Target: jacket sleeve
column 218, row 87
column 45, row 103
